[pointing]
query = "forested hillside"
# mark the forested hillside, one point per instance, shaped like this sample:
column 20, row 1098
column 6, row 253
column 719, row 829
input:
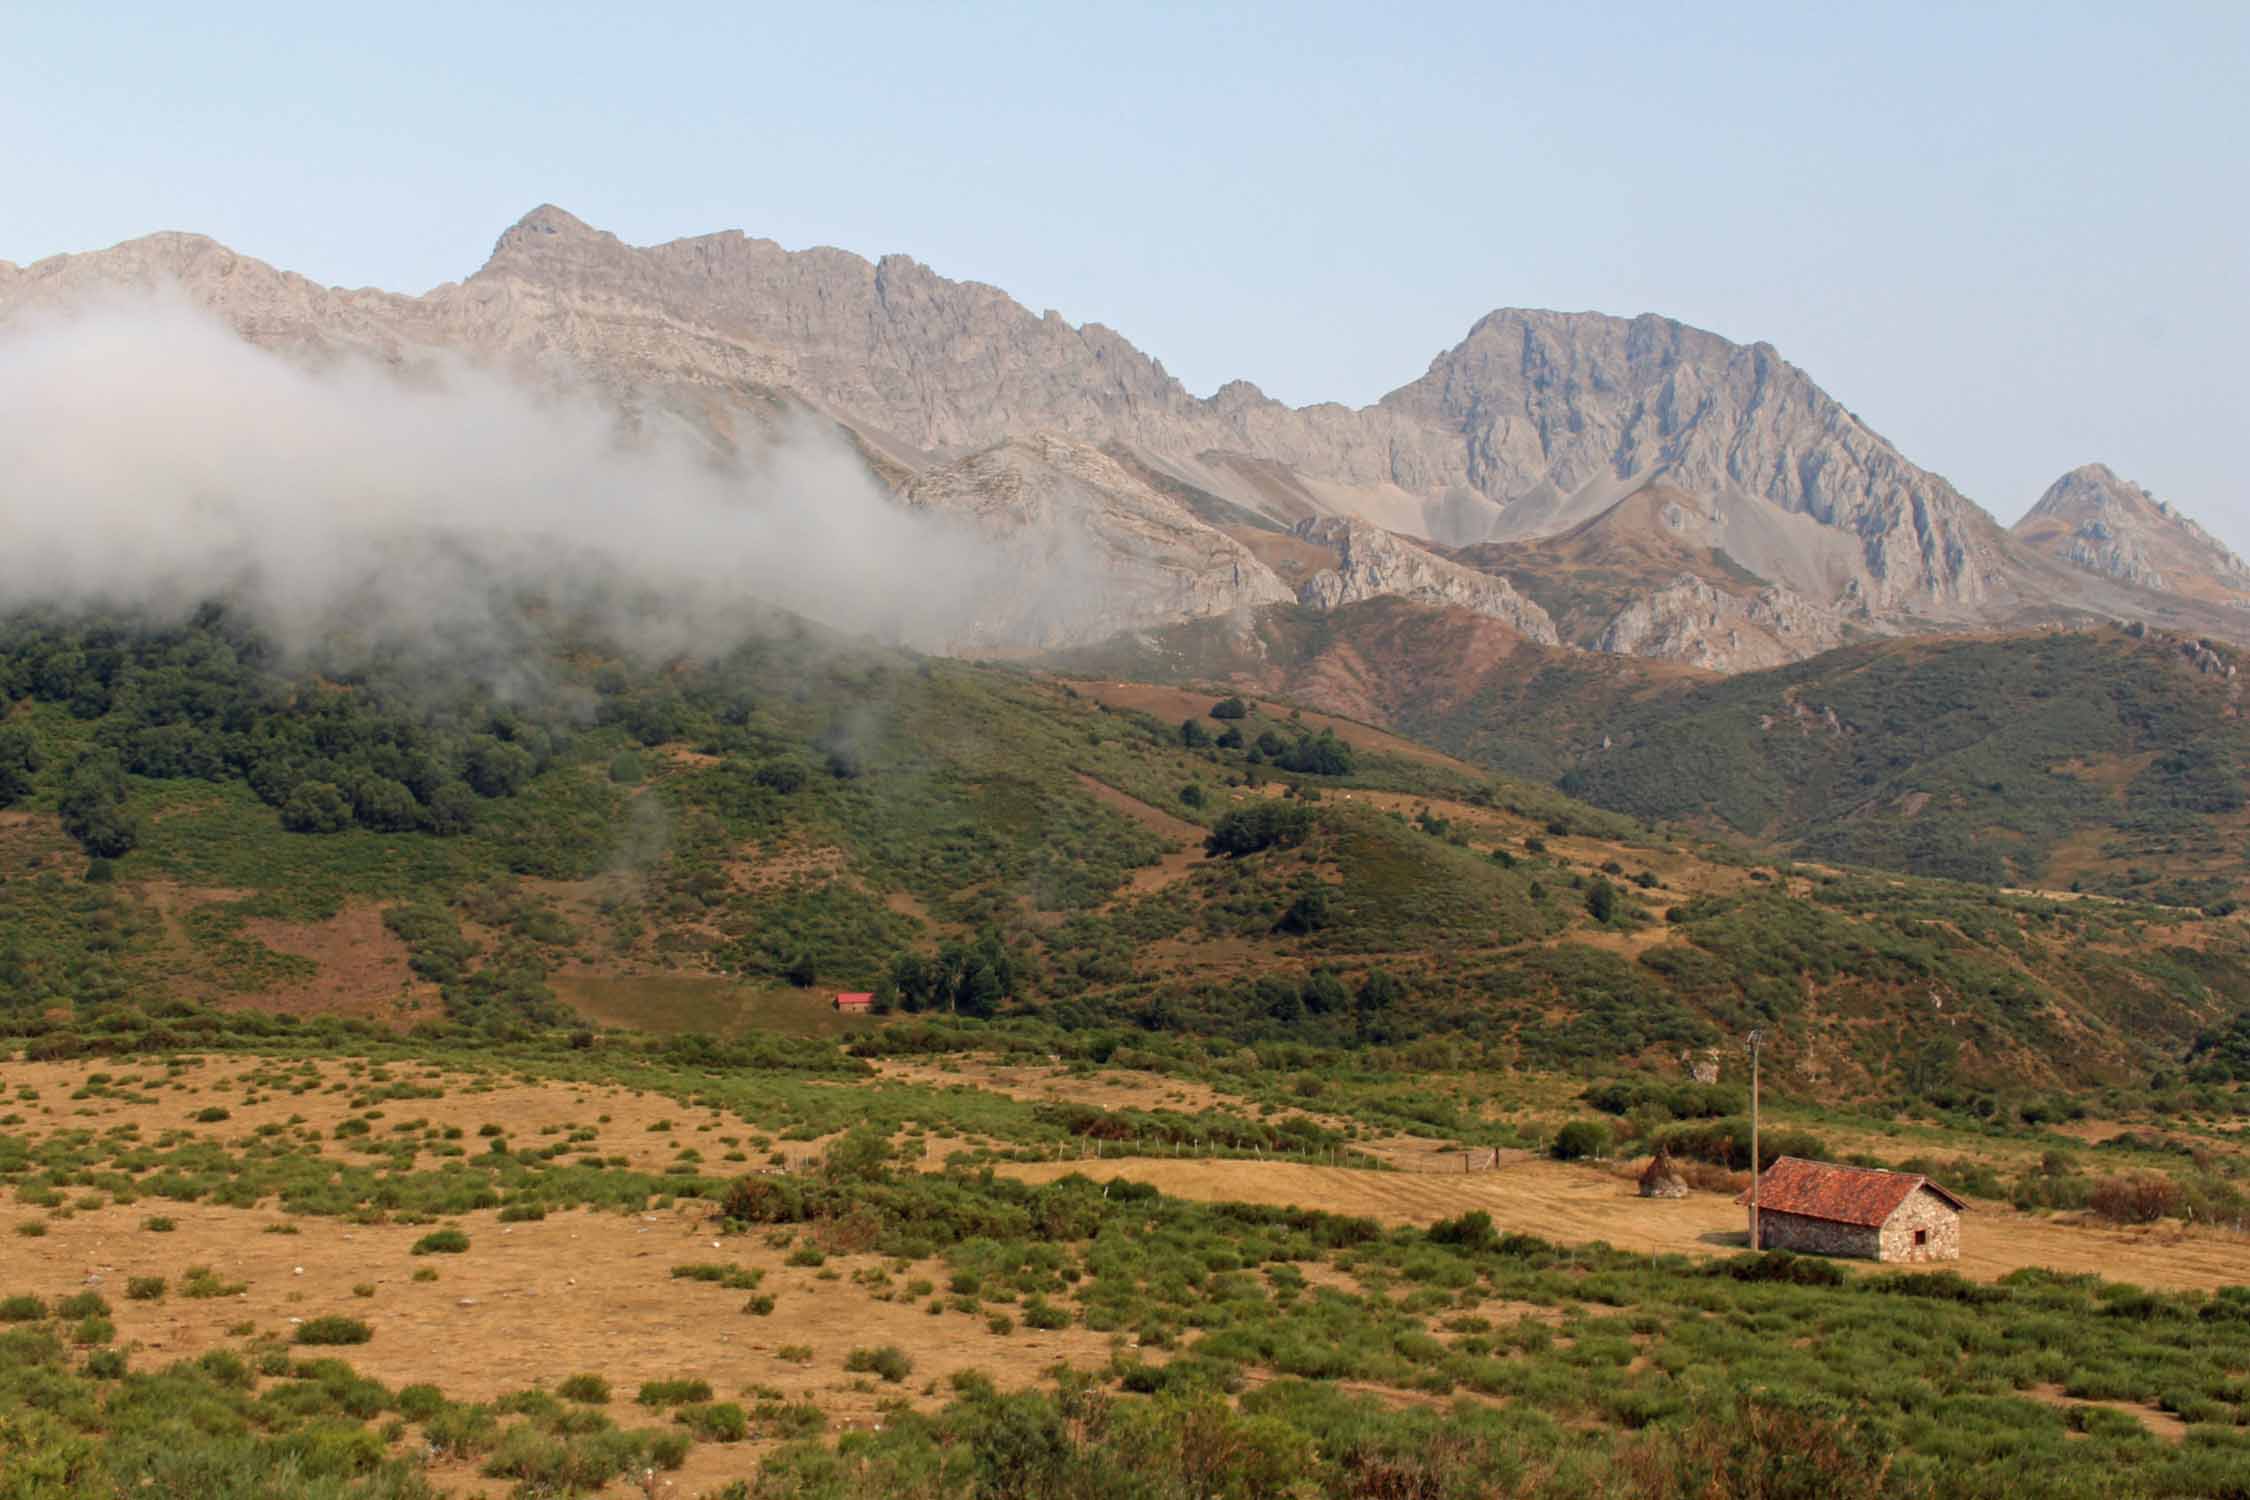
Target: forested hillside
column 193, row 816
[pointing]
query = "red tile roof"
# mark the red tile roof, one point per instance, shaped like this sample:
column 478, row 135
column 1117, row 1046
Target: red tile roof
column 1841, row 1195
column 854, row 1001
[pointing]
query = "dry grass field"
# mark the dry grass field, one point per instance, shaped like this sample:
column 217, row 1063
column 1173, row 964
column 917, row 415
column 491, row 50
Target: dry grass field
column 1575, row 1204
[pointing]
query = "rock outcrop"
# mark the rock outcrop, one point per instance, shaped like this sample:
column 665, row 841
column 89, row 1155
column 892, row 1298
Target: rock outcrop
column 1694, row 622
column 1371, row 563
column 2093, row 519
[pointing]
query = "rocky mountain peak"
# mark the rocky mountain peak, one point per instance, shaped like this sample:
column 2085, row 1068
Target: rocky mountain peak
column 2093, row 519
column 1534, row 425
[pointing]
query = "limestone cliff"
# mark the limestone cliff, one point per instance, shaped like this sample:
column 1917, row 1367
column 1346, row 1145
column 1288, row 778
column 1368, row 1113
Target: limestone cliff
column 1371, row 563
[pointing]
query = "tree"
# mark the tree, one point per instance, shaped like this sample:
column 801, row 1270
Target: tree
column 1193, row 735
column 1325, row 994
column 452, row 808
column 1192, row 794
column 1307, row 914
column 1378, row 992
column 316, row 807
column 93, row 806
column 1269, row 825
column 1315, row 755
column 1601, row 900
column 497, row 769
column 1581, row 1138
column 801, row 971
column 782, row 776
column 1230, row 708
column 384, row 805
column 19, row 762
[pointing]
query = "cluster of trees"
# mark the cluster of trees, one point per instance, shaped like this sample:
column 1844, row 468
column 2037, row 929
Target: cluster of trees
column 1307, row 754
column 205, row 701
column 964, row 979
column 1265, row 825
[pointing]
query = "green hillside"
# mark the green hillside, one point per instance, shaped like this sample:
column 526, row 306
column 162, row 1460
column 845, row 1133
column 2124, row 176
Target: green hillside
column 2111, row 759
column 2108, row 760
column 716, row 845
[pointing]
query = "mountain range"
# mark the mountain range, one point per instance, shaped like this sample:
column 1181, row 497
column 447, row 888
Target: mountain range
column 1631, row 486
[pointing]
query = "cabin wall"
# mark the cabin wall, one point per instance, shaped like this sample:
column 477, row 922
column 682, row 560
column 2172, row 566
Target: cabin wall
column 1819, row 1236
column 1939, row 1222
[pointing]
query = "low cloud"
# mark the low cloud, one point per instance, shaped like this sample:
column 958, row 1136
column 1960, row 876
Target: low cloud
column 151, row 459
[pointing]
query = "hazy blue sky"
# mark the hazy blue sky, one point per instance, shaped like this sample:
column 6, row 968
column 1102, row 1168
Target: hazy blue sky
column 2011, row 237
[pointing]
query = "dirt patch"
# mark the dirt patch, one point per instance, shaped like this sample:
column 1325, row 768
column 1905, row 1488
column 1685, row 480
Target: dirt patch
column 1570, row 1204
column 531, row 1303
column 363, row 970
column 526, row 1110
column 1173, row 867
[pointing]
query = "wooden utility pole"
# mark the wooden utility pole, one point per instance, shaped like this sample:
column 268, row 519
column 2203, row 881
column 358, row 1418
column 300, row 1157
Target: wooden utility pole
column 1757, row 1241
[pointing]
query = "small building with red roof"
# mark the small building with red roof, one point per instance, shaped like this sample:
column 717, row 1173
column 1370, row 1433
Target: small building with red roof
column 852, row 1004
column 1822, row 1208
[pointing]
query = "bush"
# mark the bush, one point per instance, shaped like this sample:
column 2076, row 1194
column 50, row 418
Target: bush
column 22, row 1309
column 2135, row 1198
column 1230, row 708
column 442, row 1242
column 888, row 1361
column 591, row 1389
column 673, row 1392
column 1781, row 1266
column 333, row 1330
column 1579, row 1139
column 144, row 1288
column 716, row 1422
column 1472, row 1231
column 1269, row 825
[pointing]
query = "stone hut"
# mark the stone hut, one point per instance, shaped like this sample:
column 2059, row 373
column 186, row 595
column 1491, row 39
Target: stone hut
column 1824, row 1209
column 1660, row 1179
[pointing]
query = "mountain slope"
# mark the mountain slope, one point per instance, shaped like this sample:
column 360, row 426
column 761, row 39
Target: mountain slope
column 2116, row 758
column 797, row 812
column 1535, row 423
column 2095, row 520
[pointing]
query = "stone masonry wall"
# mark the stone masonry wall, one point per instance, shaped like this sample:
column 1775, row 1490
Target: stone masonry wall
column 1817, row 1236
column 1925, row 1211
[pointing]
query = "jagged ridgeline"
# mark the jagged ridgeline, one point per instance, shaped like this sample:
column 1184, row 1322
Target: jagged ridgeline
column 193, row 816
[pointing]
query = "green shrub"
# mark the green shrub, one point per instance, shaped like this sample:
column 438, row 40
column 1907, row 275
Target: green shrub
column 144, row 1288
column 442, row 1242
column 673, row 1392
column 887, row 1360
column 22, row 1308
column 716, row 1422
column 333, row 1330
column 1580, row 1139
column 591, row 1389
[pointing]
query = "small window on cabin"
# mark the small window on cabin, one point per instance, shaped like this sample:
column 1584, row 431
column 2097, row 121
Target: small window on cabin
column 1921, row 1236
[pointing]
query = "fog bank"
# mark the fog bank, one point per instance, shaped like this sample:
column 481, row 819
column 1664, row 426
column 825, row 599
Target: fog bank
column 151, row 459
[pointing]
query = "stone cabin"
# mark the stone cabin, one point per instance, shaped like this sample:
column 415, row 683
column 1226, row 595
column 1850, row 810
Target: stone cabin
column 1819, row 1208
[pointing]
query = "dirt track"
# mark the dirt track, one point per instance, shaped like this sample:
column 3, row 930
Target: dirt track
column 1573, row 1204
